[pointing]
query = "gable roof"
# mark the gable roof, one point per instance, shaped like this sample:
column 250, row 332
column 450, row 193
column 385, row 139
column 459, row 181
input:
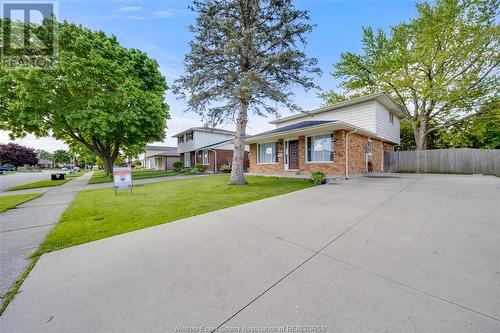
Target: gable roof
column 382, row 98
column 205, row 129
column 213, row 145
column 296, row 126
column 161, row 151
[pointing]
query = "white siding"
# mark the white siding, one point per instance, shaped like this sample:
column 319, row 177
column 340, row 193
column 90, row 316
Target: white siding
column 361, row 115
column 185, row 146
column 384, row 128
column 202, row 139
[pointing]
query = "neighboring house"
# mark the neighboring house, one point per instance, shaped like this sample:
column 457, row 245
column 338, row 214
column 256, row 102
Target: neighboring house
column 210, row 147
column 342, row 139
column 160, row 157
column 44, row 164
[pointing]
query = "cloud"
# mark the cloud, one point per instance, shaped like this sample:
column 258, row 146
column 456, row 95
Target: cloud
column 129, row 8
column 162, row 13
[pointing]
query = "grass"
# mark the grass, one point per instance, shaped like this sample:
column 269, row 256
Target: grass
column 101, row 177
column 97, row 214
column 11, row 201
column 38, row 184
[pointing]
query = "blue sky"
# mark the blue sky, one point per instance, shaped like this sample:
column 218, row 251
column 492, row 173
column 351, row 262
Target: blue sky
column 159, row 28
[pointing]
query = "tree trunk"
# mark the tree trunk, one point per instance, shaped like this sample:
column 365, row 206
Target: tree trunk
column 419, row 131
column 108, row 164
column 238, row 167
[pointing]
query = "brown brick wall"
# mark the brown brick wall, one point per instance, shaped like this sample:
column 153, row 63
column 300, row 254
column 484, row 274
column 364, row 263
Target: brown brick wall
column 266, row 168
column 357, row 157
column 224, row 156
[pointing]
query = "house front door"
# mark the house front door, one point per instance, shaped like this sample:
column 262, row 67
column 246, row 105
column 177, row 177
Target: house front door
column 293, row 155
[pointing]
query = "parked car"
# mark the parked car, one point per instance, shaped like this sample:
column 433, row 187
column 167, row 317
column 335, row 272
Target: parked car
column 64, row 169
column 7, row 167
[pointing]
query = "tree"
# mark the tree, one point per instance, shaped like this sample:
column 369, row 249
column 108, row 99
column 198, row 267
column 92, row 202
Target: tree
column 441, row 66
column 61, row 156
column 17, row 155
column 331, row 97
column 43, row 154
column 244, row 57
column 100, row 95
column 82, row 154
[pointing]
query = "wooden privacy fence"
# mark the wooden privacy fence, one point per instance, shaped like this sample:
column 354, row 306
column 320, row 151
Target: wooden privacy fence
column 462, row 161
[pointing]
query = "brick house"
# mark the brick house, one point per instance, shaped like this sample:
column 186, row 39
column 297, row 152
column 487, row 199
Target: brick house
column 210, row 147
column 343, row 139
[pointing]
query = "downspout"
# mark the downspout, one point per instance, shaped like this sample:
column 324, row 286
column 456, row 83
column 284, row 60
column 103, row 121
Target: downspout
column 347, row 153
column 215, row 158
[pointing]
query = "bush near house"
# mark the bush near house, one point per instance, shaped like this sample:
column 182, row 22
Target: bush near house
column 178, row 166
column 318, row 177
column 225, row 168
column 198, row 168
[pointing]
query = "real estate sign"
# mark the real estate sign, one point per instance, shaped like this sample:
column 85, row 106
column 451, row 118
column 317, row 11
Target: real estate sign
column 122, row 178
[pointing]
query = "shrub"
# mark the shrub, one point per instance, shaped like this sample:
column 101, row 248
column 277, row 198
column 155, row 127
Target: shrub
column 318, row 177
column 198, row 168
column 177, row 166
column 225, row 168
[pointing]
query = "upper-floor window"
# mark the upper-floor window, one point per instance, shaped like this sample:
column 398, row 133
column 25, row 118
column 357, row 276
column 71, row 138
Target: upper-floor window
column 189, row 136
column 267, row 152
column 391, row 118
column 320, row 148
column 180, row 139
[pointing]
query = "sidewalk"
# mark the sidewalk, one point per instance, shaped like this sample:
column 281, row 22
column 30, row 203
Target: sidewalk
column 22, row 229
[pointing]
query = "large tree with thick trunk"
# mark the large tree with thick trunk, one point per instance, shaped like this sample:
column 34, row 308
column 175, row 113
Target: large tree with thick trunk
column 441, row 66
column 100, row 95
column 245, row 57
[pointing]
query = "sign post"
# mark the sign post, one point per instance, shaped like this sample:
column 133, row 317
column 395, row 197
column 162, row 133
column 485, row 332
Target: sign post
column 122, row 178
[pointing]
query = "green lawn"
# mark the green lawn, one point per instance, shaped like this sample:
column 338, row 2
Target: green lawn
column 41, row 183
column 98, row 213
column 100, row 176
column 11, row 201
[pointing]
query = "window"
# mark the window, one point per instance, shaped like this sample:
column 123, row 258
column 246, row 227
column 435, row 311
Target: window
column 369, row 147
column 187, row 160
column 189, row 136
column 268, row 153
column 180, row 139
column 205, row 157
column 391, row 118
column 320, row 148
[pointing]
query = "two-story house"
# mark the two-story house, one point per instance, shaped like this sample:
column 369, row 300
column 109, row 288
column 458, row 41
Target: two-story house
column 342, row 139
column 210, row 147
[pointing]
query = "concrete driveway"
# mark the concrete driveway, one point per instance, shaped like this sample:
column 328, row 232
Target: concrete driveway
column 417, row 253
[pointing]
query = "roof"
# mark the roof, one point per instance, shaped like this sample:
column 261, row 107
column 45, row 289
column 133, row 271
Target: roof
column 382, row 98
column 205, row 129
column 215, row 144
column 43, row 161
column 161, row 151
column 309, row 128
column 160, row 148
column 291, row 127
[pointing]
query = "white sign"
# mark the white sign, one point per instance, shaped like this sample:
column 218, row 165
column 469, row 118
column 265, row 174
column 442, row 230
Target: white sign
column 122, row 178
